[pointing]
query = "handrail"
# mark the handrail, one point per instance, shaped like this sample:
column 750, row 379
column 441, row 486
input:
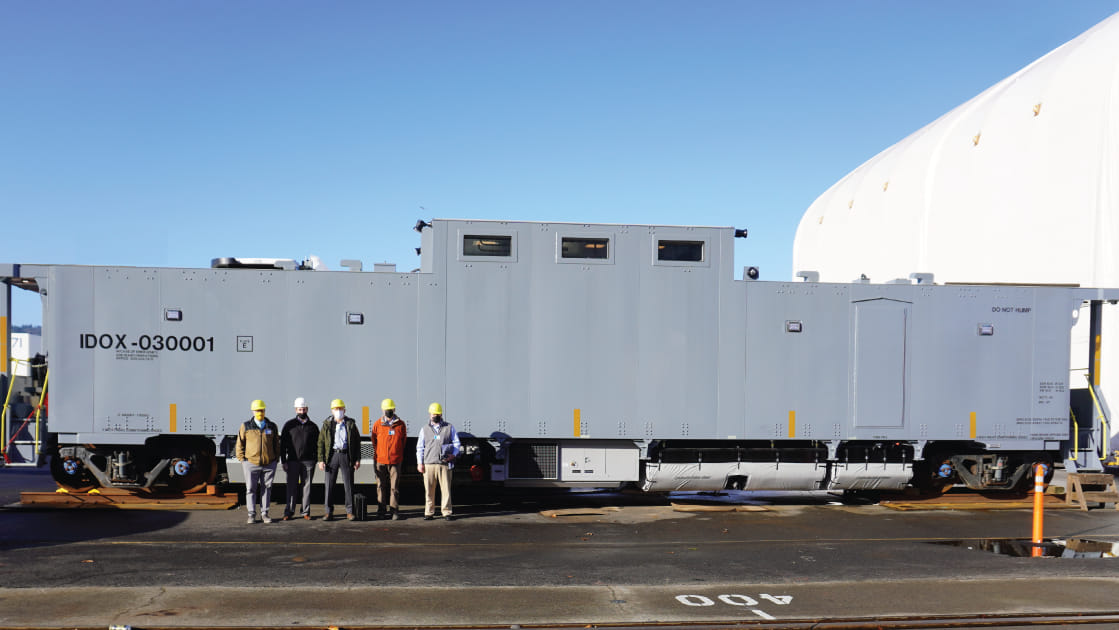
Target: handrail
column 1105, row 437
column 39, row 411
column 8, row 400
column 1075, row 434
column 4, row 416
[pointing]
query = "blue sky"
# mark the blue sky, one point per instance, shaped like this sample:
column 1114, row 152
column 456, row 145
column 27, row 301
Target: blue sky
column 169, row 133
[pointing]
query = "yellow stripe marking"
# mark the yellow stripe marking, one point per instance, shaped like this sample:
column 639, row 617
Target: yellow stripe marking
column 1096, row 371
column 792, row 423
column 973, row 425
column 365, row 419
column 578, row 425
column 4, row 367
column 173, row 413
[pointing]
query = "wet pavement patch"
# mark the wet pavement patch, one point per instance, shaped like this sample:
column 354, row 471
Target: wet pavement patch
column 1050, row 548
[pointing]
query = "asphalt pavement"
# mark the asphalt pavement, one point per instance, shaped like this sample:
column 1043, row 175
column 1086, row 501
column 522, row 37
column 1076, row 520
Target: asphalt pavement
column 528, row 559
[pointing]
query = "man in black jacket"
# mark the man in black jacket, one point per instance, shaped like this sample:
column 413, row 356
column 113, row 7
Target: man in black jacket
column 299, row 442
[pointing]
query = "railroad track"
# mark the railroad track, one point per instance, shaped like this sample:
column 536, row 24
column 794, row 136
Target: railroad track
column 216, row 500
column 127, row 499
column 970, row 501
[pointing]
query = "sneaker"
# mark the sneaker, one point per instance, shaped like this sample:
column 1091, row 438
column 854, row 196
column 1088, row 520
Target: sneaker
column 252, row 519
column 267, row 519
column 396, row 516
column 328, row 517
column 287, row 517
column 428, row 517
column 449, row 517
column 306, row 517
column 349, row 517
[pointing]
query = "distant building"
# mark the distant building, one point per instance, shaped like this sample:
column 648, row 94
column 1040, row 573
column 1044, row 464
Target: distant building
column 24, row 346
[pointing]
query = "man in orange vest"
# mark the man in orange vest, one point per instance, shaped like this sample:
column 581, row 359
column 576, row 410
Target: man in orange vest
column 388, row 434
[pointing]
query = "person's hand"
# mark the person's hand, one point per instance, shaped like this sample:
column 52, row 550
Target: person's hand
column 322, row 465
column 357, row 465
column 419, row 468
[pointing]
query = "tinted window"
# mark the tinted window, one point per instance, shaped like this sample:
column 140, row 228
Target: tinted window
column 482, row 245
column 584, row 248
column 688, row 251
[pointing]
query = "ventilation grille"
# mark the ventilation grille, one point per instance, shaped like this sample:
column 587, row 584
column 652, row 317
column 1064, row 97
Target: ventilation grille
column 533, row 461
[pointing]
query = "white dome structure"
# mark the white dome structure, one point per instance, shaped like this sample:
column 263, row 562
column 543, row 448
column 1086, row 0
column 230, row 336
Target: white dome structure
column 1018, row 185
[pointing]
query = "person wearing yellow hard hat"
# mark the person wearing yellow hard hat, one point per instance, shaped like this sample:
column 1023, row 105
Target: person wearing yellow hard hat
column 258, row 449
column 388, row 435
column 436, row 449
column 339, row 451
column 299, row 443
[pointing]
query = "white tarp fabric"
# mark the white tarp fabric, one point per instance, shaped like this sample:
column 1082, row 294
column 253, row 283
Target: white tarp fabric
column 1019, row 184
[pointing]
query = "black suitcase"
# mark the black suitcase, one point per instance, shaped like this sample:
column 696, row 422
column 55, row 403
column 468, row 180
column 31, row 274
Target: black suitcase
column 359, row 507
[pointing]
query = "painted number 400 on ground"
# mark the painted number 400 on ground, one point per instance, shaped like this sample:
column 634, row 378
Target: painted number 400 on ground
column 734, row 599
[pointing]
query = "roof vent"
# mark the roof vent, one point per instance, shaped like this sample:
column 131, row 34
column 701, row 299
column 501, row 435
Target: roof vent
column 252, row 263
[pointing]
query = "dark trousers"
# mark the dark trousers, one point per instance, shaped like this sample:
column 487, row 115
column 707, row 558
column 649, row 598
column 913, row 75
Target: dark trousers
column 339, row 462
column 299, row 477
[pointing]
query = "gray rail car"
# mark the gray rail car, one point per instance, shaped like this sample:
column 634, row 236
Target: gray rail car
column 571, row 355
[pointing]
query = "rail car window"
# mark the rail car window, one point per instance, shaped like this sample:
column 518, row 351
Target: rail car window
column 487, row 245
column 585, row 248
column 683, row 251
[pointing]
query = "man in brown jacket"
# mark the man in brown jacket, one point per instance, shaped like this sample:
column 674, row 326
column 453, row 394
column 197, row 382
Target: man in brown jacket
column 389, row 434
column 258, row 449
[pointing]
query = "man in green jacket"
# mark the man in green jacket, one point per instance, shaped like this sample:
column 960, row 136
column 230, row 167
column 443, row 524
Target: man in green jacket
column 339, row 451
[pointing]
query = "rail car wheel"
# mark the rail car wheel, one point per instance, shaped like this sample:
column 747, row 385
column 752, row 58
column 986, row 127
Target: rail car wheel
column 191, row 474
column 71, row 474
column 932, row 481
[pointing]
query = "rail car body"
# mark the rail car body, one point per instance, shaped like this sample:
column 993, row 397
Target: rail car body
column 572, row 355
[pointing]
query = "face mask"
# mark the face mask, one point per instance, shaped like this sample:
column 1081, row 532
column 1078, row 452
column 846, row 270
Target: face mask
column 339, row 414
column 390, row 413
column 301, row 416
column 437, row 419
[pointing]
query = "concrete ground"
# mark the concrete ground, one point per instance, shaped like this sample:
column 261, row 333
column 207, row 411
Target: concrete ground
column 589, row 558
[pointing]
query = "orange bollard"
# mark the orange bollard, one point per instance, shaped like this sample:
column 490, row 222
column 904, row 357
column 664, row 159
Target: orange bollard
column 1039, row 508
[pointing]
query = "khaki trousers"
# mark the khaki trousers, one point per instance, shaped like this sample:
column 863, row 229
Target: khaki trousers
column 437, row 474
column 388, row 486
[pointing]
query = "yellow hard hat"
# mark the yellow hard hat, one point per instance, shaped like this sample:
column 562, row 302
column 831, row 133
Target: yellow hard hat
column 435, row 408
column 258, row 405
column 387, row 404
column 337, row 404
